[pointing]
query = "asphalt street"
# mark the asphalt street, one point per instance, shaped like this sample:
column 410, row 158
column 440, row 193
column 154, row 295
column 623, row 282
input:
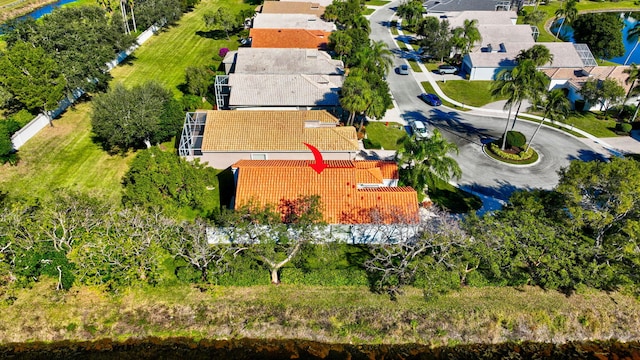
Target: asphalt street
column 470, row 132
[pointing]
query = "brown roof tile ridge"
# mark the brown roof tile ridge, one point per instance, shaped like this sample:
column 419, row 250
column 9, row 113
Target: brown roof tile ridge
column 340, row 134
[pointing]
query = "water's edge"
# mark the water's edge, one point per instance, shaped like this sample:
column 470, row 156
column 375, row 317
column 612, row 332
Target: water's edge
column 153, row 348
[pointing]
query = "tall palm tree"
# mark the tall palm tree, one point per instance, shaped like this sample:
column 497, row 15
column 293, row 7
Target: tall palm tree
column 375, row 58
column 133, row 17
column 634, row 79
column 517, row 84
column 471, row 33
column 633, row 34
column 556, row 106
column 466, row 36
column 568, row 13
column 424, row 161
column 355, row 96
column 540, row 55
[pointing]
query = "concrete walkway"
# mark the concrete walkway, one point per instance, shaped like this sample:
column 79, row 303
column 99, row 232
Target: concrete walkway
column 613, row 146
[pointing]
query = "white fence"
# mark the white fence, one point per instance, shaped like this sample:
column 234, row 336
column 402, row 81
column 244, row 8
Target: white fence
column 39, row 122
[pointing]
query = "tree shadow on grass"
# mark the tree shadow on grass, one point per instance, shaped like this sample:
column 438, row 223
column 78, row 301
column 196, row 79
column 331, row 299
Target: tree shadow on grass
column 212, row 34
column 129, row 60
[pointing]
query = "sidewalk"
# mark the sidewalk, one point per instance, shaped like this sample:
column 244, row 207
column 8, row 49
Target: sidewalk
column 621, row 145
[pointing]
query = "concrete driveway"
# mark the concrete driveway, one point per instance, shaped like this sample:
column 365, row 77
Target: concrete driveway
column 471, row 130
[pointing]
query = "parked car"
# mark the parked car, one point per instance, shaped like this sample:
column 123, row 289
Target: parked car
column 420, row 130
column 403, row 69
column 431, row 99
column 447, row 69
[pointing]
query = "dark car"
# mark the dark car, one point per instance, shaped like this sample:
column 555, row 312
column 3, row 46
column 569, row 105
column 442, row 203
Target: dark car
column 447, row 69
column 431, row 99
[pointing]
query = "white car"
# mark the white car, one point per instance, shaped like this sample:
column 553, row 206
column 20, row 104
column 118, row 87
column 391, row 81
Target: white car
column 420, row 130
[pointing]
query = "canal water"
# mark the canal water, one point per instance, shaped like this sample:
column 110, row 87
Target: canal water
column 566, row 33
column 47, row 9
column 184, row 348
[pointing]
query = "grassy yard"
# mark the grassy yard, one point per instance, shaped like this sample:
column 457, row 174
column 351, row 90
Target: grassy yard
column 64, row 156
column 429, row 89
column 389, row 137
column 473, row 93
column 591, row 124
column 453, row 199
column 414, row 65
column 376, row 2
column 165, row 57
column 368, row 11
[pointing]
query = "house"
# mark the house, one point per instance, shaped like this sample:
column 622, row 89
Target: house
column 282, row 61
column 444, row 6
column 291, row 7
column 224, row 137
column 351, row 192
column 283, row 91
column 324, row 3
column 289, row 38
column 291, row 21
column 502, row 40
column 572, row 79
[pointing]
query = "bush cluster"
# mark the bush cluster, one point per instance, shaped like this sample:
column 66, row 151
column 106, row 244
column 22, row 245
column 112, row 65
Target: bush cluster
column 522, row 155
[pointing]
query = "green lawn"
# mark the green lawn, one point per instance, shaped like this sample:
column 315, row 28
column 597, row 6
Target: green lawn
column 368, row 11
column 389, row 137
column 376, row 2
column 165, row 57
column 591, row 124
column 473, row 93
column 64, row 156
column 453, row 199
column 429, row 89
column 414, row 65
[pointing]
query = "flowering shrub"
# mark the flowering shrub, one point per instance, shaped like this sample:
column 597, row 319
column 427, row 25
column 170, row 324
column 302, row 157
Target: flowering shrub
column 223, row 52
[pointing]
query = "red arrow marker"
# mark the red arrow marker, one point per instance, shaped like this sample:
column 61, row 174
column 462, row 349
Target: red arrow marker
column 319, row 165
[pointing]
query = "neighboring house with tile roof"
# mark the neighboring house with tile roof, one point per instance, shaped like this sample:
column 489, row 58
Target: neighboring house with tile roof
column 224, row 137
column 291, row 21
column 351, row 192
column 282, row 61
column 572, row 79
column 291, row 7
column 289, row 38
column 284, row 91
column 324, row 3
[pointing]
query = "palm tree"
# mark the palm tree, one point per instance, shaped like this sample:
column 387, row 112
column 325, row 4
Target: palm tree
column 425, row 161
column 517, row 84
column 466, row 36
column 568, row 13
column 133, row 17
column 633, row 34
column 540, row 55
column 355, row 97
column 634, row 79
column 375, row 58
column 556, row 106
column 471, row 33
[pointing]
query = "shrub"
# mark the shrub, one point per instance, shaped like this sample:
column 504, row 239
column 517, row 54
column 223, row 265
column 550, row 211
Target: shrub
column 368, row 144
column 516, row 138
column 522, row 155
column 625, row 127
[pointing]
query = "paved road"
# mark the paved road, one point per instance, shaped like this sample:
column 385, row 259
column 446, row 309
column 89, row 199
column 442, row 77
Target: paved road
column 480, row 173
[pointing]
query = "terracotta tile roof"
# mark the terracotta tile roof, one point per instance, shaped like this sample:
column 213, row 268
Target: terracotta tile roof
column 289, row 38
column 267, row 182
column 237, row 130
column 292, row 7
